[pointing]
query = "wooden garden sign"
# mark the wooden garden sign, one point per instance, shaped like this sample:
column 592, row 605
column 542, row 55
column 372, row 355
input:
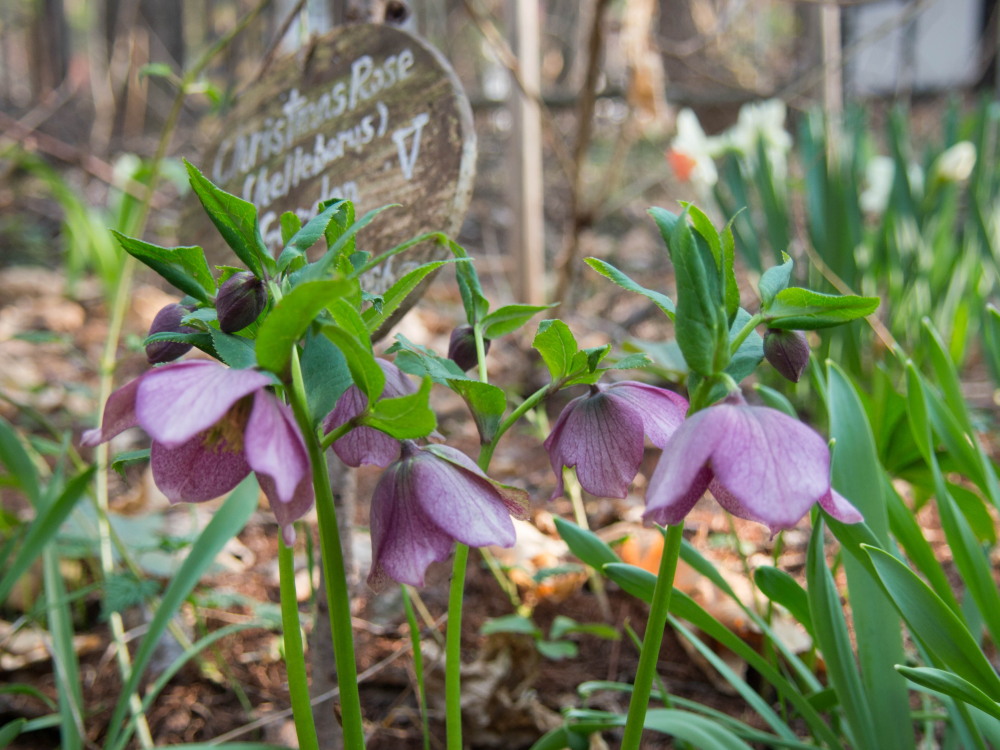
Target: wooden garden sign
column 369, row 113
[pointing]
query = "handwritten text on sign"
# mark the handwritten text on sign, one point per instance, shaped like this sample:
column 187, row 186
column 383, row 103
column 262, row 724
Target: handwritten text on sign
column 371, row 114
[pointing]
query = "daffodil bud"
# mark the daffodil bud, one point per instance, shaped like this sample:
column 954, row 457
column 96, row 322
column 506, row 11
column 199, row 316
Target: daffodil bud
column 462, row 347
column 241, row 299
column 787, row 351
column 168, row 319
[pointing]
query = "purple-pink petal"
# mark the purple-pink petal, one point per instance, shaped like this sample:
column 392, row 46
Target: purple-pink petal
column 203, row 468
column 274, row 447
column 602, row 436
column 682, row 474
column 662, row 410
column 119, row 414
column 840, row 508
column 176, row 402
column 287, row 512
column 404, row 540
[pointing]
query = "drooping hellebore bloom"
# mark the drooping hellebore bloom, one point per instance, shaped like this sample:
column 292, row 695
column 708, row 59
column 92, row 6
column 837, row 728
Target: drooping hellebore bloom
column 211, row 426
column 602, row 432
column 759, row 463
column 432, row 497
column 366, row 445
column 168, row 319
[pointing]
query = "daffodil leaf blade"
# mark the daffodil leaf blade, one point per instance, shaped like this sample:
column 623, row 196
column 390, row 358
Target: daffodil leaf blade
column 585, row 544
column 950, row 684
column 801, row 309
column 236, row 220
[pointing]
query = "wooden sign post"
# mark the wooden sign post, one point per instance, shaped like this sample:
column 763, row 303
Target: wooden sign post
column 369, row 113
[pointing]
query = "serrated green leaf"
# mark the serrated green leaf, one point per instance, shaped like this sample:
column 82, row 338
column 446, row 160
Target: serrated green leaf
column 486, row 402
column 125, row 590
column 419, row 360
column 608, row 271
column 509, row 318
column 394, row 296
column 184, row 267
column 290, row 224
column 636, row 361
column 235, row 351
column 236, row 220
column 365, row 371
column 324, row 373
column 801, row 309
column 557, row 345
column 308, row 235
column 290, row 318
column 403, row 417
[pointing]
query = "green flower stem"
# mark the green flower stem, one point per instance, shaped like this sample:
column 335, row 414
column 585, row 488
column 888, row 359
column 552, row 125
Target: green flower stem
column 336, row 434
column 653, row 638
column 453, row 651
column 418, row 664
column 745, row 331
column 334, row 572
column 295, row 658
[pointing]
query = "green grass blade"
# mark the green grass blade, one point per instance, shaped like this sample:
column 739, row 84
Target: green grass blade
column 67, row 667
column 225, row 524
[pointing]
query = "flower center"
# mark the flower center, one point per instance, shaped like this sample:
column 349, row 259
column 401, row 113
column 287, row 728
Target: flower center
column 226, row 435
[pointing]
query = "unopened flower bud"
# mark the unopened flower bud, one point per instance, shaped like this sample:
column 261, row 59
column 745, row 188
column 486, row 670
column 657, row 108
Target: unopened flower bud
column 462, row 347
column 787, row 351
column 168, row 319
column 956, row 163
column 242, row 297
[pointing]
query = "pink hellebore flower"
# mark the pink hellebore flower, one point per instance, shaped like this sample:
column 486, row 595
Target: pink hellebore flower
column 759, row 463
column 601, row 434
column 432, row 497
column 211, row 426
column 366, row 445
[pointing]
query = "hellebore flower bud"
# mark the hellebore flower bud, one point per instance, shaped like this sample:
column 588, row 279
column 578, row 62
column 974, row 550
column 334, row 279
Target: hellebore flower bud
column 787, row 351
column 168, row 319
column 242, row 297
column 462, row 347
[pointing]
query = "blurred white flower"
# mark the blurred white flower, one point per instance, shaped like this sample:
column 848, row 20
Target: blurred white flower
column 956, row 163
column 762, row 121
column 880, row 172
column 692, row 153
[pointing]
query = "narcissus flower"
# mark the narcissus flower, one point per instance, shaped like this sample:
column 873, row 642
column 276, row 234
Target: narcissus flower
column 432, row 497
column 602, row 433
column 211, row 426
column 366, row 445
column 759, row 463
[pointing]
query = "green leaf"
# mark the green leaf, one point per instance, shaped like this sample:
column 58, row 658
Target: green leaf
column 365, row 371
column 347, row 317
column 18, row 463
column 750, row 352
column 290, row 224
column 608, row 271
column 830, row 630
column 184, row 267
column 775, row 279
column 44, row 528
column 228, row 521
column 800, row 309
column 156, row 70
column 236, row 220
column 952, row 685
column 125, row 590
column 782, row 589
column 556, row 650
column 473, row 300
column 509, row 318
column 563, row 626
column 930, row 620
column 235, row 351
column 343, row 218
column 10, row 731
column 723, row 254
column 290, row 318
column 419, row 360
column 510, row 624
column 486, row 402
column 636, row 361
column 699, row 731
column 307, row 236
column 586, row 545
column 394, row 296
column 557, row 345
column 121, row 460
column 404, row 417
column 325, row 374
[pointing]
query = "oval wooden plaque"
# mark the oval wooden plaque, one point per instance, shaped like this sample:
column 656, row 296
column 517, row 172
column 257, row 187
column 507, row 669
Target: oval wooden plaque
column 369, row 113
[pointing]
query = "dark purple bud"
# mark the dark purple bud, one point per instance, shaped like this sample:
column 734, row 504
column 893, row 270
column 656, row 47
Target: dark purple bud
column 462, row 347
column 168, row 319
column 787, row 351
column 242, row 297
